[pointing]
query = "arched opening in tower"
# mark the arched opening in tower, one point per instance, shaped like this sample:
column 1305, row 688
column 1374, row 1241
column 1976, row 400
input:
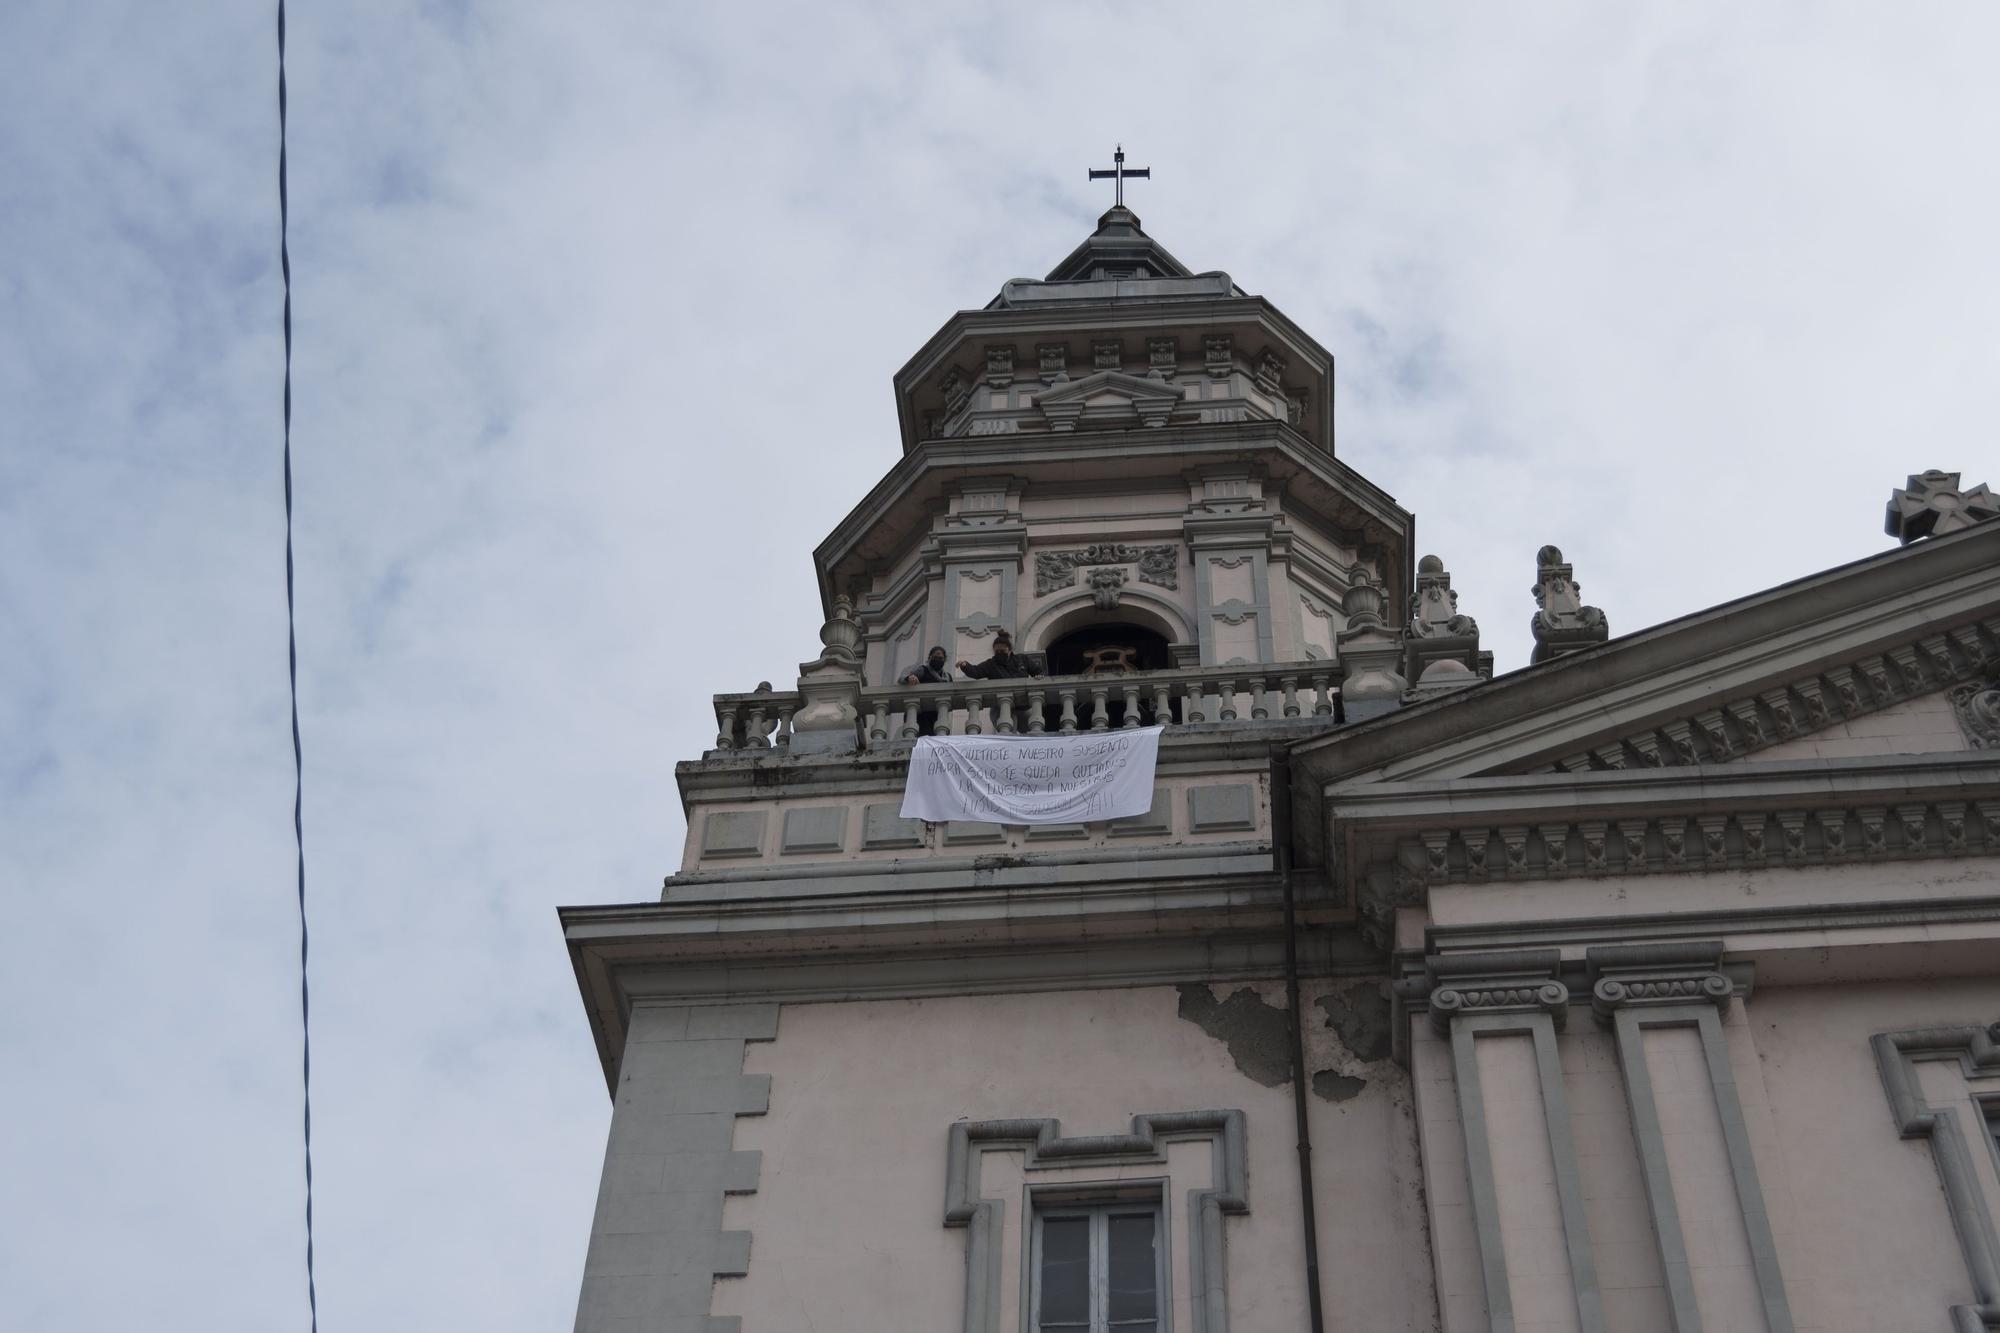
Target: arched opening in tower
column 1108, row 648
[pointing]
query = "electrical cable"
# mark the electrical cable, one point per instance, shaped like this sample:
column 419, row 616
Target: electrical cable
column 292, row 655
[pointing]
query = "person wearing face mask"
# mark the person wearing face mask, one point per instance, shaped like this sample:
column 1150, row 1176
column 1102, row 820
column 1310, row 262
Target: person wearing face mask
column 1003, row 665
column 930, row 671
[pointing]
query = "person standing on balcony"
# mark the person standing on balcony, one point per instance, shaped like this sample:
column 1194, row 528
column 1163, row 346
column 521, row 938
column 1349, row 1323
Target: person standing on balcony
column 1003, row 665
column 930, row 671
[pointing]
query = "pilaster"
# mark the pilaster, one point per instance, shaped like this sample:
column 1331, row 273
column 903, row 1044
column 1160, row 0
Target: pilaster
column 1640, row 990
column 1501, row 1013
column 657, row 1243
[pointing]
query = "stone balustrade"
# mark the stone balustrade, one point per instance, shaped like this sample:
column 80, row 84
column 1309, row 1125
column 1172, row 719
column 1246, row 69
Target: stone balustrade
column 894, row 715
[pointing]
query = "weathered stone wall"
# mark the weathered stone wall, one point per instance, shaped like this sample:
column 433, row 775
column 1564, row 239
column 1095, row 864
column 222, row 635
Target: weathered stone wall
column 1877, row 1250
column 1223, row 806
column 848, row 1221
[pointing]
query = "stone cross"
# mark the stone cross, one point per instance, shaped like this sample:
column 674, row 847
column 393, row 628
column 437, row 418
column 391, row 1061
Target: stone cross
column 1117, row 174
column 1934, row 503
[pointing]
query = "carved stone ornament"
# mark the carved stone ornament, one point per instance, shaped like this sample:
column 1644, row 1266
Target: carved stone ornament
column 1216, row 355
column 1104, row 585
column 1977, row 708
column 1563, row 623
column 1106, row 356
column 1164, row 356
column 1434, row 606
column 1934, row 504
column 1271, row 373
column 999, row 367
column 956, row 390
column 1056, row 570
column 1054, row 362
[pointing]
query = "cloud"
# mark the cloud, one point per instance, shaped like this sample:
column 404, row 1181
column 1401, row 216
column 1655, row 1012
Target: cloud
column 597, row 307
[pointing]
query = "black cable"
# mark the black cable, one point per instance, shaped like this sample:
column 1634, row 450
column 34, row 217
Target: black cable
column 292, row 653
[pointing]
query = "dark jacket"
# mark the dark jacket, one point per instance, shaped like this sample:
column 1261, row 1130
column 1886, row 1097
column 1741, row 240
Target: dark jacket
column 925, row 673
column 1010, row 667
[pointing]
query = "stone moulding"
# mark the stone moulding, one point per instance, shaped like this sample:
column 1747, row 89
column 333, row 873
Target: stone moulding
column 1395, row 841
column 1041, row 1142
column 1805, row 705
column 1736, row 840
column 1977, row 1051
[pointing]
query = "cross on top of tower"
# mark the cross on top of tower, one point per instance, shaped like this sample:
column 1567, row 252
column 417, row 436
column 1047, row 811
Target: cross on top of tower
column 1117, row 174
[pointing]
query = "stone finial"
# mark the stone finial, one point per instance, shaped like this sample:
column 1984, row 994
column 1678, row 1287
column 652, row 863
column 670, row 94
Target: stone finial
column 1370, row 651
column 1364, row 602
column 1934, row 504
column 1434, row 606
column 1440, row 646
column 1563, row 624
column 830, row 688
column 841, row 633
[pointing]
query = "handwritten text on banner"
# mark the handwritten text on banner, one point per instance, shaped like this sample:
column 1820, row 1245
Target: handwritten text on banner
column 1033, row 779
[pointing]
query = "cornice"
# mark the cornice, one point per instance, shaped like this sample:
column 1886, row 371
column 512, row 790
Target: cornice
column 665, row 952
column 1533, row 717
column 1393, row 842
column 1129, row 318
column 1110, row 456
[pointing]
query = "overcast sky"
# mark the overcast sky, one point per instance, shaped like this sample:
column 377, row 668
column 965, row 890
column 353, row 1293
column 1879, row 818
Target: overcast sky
column 597, row 307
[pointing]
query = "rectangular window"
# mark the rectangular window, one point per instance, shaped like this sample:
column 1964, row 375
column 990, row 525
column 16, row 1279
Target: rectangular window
column 1098, row 1268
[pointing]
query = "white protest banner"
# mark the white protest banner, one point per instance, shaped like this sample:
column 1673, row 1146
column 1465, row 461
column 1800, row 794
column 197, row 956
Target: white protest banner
column 1033, row 779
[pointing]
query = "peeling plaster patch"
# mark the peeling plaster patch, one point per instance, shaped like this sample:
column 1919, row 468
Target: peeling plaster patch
column 1360, row 1015
column 1336, row 1087
column 1257, row 1035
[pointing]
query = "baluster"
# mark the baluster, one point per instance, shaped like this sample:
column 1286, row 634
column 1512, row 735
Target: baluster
column 784, row 737
column 972, row 727
column 1067, row 724
column 1322, row 695
column 1225, row 698
column 878, row 730
column 1195, row 707
column 1100, row 708
column 1003, row 721
column 1291, row 687
column 1131, row 703
column 910, row 707
column 725, row 726
column 942, row 727
column 1037, row 723
column 1163, row 703
column 1260, row 697
column 753, row 730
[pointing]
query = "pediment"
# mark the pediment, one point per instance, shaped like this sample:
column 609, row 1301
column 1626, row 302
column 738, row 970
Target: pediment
column 1107, row 385
column 1865, row 656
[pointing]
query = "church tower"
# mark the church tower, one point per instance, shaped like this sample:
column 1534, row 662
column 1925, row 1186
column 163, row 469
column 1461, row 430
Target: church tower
column 1418, row 999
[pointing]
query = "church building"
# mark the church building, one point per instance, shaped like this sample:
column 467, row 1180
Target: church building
column 1652, row 987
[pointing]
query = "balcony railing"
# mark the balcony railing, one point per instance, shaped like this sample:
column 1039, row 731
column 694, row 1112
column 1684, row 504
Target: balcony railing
column 896, row 715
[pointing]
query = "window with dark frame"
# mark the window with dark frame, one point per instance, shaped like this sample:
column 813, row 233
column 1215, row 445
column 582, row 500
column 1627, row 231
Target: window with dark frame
column 1098, row 1268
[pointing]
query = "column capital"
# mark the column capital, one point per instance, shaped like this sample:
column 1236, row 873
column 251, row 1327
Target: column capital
column 1627, row 976
column 1524, row 981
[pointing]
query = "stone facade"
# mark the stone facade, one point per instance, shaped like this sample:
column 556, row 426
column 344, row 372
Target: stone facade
column 1655, row 987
